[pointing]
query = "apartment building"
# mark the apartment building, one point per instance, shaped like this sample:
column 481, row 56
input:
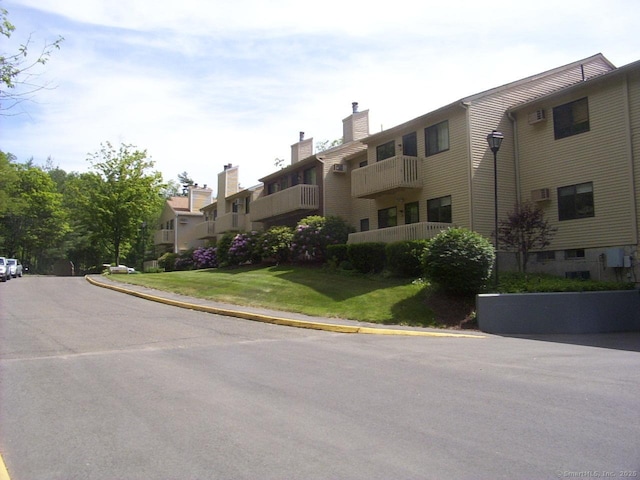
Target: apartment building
column 179, row 219
column 570, row 144
column 231, row 209
column 313, row 184
column 577, row 156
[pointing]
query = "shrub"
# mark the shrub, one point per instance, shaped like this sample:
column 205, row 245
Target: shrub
column 205, row 257
column 275, row 243
column 222, row 248
column 404, row 259
column 314, row 233
column 459, row 261
column 168, row 261
column 367, row 257
column 184, row 261
column 243, row 249
column 337, row 254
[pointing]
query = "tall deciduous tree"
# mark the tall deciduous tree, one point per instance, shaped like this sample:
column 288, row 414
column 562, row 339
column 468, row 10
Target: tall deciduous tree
column 120, row 193
column 34, row 221
column 525, row 229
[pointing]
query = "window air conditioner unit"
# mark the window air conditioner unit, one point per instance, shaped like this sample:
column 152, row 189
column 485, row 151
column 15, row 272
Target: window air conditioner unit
column 540, row 194
column 537, row 116
column 339, row 168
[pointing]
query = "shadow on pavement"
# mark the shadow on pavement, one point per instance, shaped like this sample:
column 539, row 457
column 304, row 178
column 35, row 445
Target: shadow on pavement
column 619, row 341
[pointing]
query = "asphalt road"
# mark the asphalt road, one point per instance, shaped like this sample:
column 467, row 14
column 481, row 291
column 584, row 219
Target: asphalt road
column 96, row 384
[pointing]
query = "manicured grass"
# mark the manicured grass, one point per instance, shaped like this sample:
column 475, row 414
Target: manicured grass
column 308, row 290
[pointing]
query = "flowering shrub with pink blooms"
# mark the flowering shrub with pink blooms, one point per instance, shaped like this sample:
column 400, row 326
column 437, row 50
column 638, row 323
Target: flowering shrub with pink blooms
column 313, row 234
column 205, row 257
column 243, row 249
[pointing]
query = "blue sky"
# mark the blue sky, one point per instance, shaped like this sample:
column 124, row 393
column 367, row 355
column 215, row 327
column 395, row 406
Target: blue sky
column 203, row 83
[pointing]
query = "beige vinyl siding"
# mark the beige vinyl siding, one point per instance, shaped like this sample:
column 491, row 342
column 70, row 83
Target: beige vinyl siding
column 447, row 173
column 337, row 186
column 485, row 116
column 598, row 156
column 633, row 88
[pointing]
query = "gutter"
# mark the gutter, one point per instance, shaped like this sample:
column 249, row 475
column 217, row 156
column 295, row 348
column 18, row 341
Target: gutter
column 465, row 105
column 516, row 154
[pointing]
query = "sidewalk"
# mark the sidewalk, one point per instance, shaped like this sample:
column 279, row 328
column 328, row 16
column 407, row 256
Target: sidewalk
column 271, row 316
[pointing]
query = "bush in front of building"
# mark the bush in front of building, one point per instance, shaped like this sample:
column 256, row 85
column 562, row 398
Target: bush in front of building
column 244, row 249
column 275, row 244
column 205, row 257
column 314, row 233
column 459, row 260
column 404, row 258
column 167, row 261
column 368, row 257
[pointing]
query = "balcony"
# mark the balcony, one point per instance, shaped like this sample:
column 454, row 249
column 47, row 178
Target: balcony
column 206, row 230
column 412, row 231
column 387, row 176
column 164, row 237
column 294, row 199
column 230, row 222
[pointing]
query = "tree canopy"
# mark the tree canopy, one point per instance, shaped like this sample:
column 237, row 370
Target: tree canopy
column 117, row 196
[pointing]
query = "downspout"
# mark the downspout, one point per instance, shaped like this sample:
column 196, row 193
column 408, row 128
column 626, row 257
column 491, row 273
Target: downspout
column 465, row 106
column 516, row 154
column 175, row 235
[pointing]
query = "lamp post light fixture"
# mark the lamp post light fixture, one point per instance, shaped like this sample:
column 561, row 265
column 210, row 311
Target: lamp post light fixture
column 494, row 139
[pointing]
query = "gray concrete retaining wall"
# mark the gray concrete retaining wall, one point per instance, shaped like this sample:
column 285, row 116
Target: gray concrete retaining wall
column 575, row 312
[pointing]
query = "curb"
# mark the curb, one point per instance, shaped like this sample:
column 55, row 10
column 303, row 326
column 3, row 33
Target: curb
column 329, row 327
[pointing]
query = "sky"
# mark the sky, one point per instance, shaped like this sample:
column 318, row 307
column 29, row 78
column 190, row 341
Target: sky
column 199, row 84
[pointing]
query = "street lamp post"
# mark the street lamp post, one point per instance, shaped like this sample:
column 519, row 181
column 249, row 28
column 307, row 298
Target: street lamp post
column 494, row 139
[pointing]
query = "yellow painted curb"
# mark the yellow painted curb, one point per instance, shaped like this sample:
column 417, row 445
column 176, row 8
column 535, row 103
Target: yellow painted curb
column 4, row 474
column 329, row 327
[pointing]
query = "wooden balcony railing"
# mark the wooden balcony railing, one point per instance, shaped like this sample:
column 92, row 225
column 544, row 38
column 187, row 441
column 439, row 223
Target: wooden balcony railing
column 412, row 231
column 293, row 199
column 230, row 222
column 206, row 229
column 386, row 177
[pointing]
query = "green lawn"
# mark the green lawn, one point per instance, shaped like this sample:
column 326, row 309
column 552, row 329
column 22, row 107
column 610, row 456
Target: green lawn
column 308, row 290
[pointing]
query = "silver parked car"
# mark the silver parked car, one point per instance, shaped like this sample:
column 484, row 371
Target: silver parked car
column 15, row 267
column 5, row 273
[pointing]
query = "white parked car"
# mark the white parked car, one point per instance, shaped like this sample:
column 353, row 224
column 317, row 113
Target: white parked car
column 15, row 267
column 5, row 273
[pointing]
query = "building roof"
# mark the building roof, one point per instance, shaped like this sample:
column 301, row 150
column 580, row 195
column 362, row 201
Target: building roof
column 471, row 98
column 587, row 83
column 179, row 204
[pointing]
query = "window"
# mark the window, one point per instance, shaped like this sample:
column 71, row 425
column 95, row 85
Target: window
column 411, row 213
column 545, row 256
column 574, row 253
column 575, row 201
column 436, row 138
column 439, row 209
column 571, row 118
column 388, row 217
column 364, row 224
column 273, row 188
column 386, row 150
column 247, row 201
column 309, row 176
column 410, row 145
column 363, row 163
